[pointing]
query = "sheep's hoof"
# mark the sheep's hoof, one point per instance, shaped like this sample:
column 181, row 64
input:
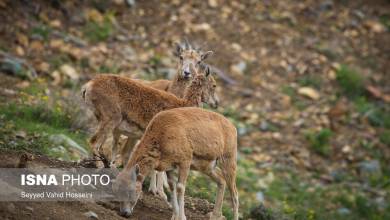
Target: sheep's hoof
column 153, row 190
column 216, row 217
column 162, row 195
column 176, row 217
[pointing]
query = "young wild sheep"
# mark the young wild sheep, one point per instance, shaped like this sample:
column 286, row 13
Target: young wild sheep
column 187, row 55
column 182, row 139
column 119, row 102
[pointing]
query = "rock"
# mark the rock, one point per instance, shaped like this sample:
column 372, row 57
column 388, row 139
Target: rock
column 213, row 3
column 36, row 46
column 343, row 211
column 326, row 5
column 129, row 53
column 22, row 39
column 14, row 67
column 21, row 134
column 264, row 126
column 69, row 71
column 260, row 196
column 260, row 212
column 239, row 68
column 55, row 23
column 337, row 175
column 57, row 77
column 11, row 208
column 91, row 215
column 59, row 149
column 94, row 15
column 309, row 92
column 61, row 139
column 19, row 51
column 130, row 3
column 374, row 26
column 370, row 168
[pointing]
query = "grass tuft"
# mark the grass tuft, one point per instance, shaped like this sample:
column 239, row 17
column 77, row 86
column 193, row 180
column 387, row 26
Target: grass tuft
column 319, row 141
column 350, row 81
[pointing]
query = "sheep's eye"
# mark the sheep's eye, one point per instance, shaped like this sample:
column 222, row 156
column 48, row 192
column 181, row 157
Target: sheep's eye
column 181, row 57
column 214, row 86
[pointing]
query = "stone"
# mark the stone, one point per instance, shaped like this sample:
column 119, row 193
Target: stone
column 91, row 215
column 309, row 92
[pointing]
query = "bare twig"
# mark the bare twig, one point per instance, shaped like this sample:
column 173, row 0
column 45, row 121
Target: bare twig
column 70, row 38
column 223, row 75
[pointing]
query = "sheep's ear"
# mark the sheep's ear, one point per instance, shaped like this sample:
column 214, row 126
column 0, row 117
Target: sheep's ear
column 136, row 167
column 178, row 50
column 205, row 55
column 208, row 71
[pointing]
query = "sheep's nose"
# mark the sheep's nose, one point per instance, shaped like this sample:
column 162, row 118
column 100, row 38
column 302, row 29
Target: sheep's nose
column 126, row 213
column 187, row 74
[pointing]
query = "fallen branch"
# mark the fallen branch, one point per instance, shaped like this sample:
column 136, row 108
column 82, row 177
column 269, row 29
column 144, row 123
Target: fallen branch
column 223, row 75
column 70, row 38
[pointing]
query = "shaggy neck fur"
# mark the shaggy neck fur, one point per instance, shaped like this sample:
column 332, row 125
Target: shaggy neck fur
column 193, row 93
column 178, row 85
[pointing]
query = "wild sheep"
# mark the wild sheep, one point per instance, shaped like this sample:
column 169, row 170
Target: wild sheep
column 182, row 139
column 119, row 102
column 187, row 56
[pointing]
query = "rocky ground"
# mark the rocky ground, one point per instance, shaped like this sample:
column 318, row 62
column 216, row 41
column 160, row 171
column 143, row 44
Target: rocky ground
column 149, row 208
column 305, row 82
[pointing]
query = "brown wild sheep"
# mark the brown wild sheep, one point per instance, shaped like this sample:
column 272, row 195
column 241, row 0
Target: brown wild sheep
column 188, row 56
column 119, row 103
column 182, row 139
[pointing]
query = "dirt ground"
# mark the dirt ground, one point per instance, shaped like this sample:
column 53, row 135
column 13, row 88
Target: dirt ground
column 148, row 208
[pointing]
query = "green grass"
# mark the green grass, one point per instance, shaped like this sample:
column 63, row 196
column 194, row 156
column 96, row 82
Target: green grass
column 385, row 137
column 319, row 141
column 310, row 81
column 201, row 186
column 385, row 20
column 350, row 81
column 39, row 122
column 307, row 199
column 378, row 116
column 299, row 103
column 42, row 31
column 96, row 32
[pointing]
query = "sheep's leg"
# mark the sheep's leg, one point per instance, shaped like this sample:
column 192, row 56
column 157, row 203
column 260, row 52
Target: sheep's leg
column 160, row 185
column 115, row 138
column 228, row 167
column 98, row 139
column 181, row 186
column 216, row 175
column 174, row 203
column 153, row 182
column 126, row 150
column 109, row 117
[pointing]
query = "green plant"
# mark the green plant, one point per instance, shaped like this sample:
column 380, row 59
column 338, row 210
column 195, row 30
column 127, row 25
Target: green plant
column 310, row 80
column 42, row 31
column 385, row 137
column 96, row 32
column 385, row 20
column 350, row 81
column 319, row 141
